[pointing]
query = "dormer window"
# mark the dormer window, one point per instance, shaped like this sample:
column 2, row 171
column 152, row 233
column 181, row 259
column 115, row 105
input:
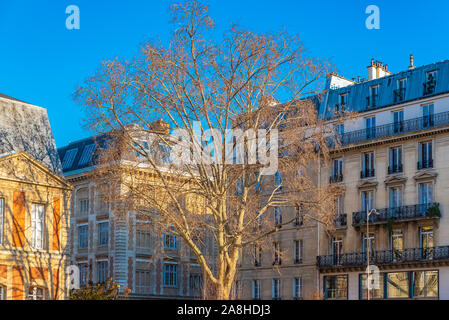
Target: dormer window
column 399, row 93
column 430, row 84
column 372, row 98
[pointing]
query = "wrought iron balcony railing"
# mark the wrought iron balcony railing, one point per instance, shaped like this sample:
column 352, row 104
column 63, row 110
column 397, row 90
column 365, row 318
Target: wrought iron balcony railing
column 386, row 257
column 399, row 95
column 341, row 221
column 395, row 169
column 425, row 164
column 336, row 178
column 412, row 212
column 367, row 173
column 391, row 129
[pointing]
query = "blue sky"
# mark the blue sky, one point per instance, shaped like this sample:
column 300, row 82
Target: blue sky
column 42, row 62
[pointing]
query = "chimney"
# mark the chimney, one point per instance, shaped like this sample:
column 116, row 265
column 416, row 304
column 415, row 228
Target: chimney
column 160, row 126
column 377, row 70
column 411, row 66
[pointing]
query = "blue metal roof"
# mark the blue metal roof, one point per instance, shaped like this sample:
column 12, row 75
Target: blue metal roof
column 357, row 93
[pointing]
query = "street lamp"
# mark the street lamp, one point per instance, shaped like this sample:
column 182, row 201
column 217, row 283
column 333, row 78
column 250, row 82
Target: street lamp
column 368, row 271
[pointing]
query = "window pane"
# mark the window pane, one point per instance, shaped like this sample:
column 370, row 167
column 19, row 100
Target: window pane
column 398, row 285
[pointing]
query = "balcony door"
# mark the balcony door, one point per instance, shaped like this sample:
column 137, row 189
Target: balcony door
column 426, row 242
column 427, row 116
column 367, row 201
column 368, row 164
column 395, row 202
column 370, row 124
column 368, row 244
column 398, row 121
column 397, row 245
column 425, row 194
column 337, row 250
column 395, row 160
column 425, row 155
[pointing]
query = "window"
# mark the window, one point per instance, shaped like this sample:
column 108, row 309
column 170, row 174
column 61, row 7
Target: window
column 395, row 194
column 398, row 121
column 276, row 289
column 398, row 285
column 83, row 268
column 337, row 170
column 367, row 200
column 425, row 195
column 170, row 241
column 83, row 237
column 399, row 93
column 425, row 155
column 143, row 239
column 367, row 165
column 37, row 226
column 257, row 256
column 370, row 125
column 36, row 293
column 195, row 282
column 170, row 275
column 256, row 289
column 298, row 216
column 143, row 281
column 278, row 180
column 425, row 284
column 375, row 293
column 298, row 251
column 397, row 245
column 86, row 156
column 395, row 160
column 69, row 156
column 239, row 189
column 368, row 243
column 339, row 205
column 277, row 253
column 426, row 242
column 165, row 153
column 102, row 268
column 277, row 216
column 336, row 287
column 297, row 288
column 427, row 116
column 337, row 249
column 2, row 293
column 343, row 99
column 430, row 84
column 83, row 207
column 373, row 94
column 2, row 214
column 103, row 234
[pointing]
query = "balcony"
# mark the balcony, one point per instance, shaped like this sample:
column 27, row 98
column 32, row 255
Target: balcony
column 367, row 173
column 429, row 87
column 399, row 95
column 386, row 257
column 371, row 101
column 335, row 178
column 395, row 169
column 404, row 213
column 425, row 164
column 392, row 129
column 341, row 221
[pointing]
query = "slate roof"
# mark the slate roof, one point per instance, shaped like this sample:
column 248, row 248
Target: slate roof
column 358, row 92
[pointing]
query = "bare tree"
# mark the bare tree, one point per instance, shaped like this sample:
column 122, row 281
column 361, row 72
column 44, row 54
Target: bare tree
column 214, row 194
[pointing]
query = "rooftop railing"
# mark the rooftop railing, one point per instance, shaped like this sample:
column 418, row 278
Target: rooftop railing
column 386, row 257
column 392, row 129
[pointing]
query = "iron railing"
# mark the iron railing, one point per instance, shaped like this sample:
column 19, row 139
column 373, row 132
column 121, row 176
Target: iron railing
column 367, row 173
column 397, row 168
column 341, row 221
column 391, row 129
column 425, row 164
column 416, row 211
column 386, row 257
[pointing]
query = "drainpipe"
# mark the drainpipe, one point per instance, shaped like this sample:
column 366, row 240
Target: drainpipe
column 318, row 228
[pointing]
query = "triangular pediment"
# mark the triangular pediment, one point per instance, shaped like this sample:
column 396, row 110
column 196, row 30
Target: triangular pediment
column 22, row 167
column 391, row 180
column 425, row 175
column 368, row 184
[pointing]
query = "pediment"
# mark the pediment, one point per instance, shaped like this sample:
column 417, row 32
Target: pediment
column 425, row 175
column 367, row 184
column 22, row 167
column 392, row 180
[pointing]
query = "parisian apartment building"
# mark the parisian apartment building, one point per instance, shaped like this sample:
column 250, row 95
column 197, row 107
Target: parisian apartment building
column 34, row 206
column 122, row 246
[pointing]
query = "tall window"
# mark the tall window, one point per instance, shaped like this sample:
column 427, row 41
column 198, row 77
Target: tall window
column 397, row 244
column 427, row 116
column 276, row 288
column 298, row 216
column 426, row 242
column 398, row 121
column 143, row 281
column 170, row 241
column 336, row 287
column 370, row 125
column 257, row 255
column 84, row 269
column 195, row 282
column 36, row 293
column 337, row 249
column 367, row 165
column 102, row 269
column 83, row 207
column 395, row 194
column 395, row 160
column 368, row 243
column 298, row 251
column 398, row 285
column 143, row 239
column 256, row 289
column 2, row 293
column 37, row 226
column 367, row 200
column 170, row 275
column 103, row 234
column 373, row 94
column 277, row 253
column 278, row 180
column 425, row 284
column 83, row 236
column 374, row 293
column 2, row 214
column 337, row 170
column 297, row 288
column 343, row 100
column 430, row 84
column 425, row 195
column 277, row 215
column 399, row 93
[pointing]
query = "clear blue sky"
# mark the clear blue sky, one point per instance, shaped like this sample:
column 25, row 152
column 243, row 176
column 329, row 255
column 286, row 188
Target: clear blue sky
column 41, row 61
